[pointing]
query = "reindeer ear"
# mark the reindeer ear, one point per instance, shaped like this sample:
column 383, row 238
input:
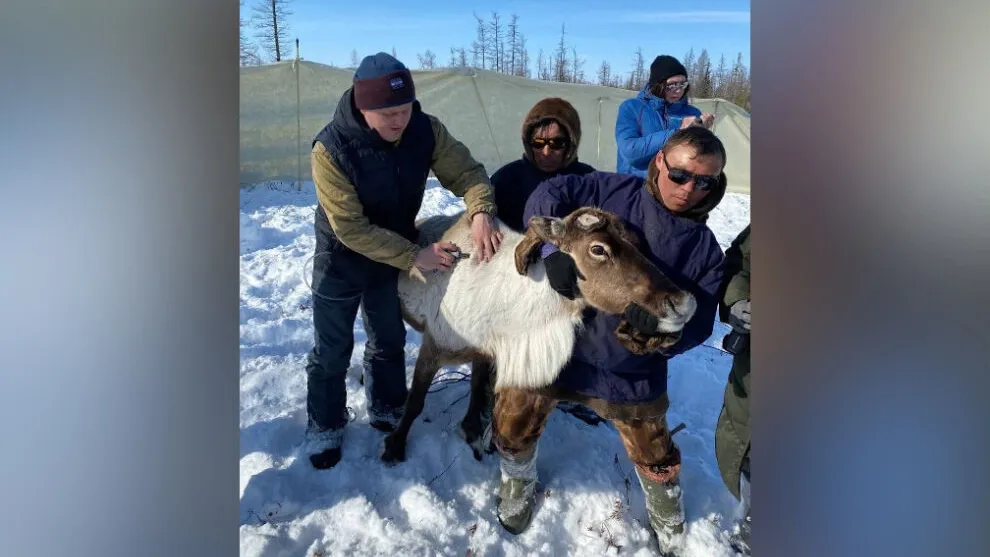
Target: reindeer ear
column 548, row 229
column 540, row 230
column 527, row 251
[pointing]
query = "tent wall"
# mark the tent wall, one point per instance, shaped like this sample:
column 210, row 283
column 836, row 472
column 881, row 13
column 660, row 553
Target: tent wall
column 483, row 109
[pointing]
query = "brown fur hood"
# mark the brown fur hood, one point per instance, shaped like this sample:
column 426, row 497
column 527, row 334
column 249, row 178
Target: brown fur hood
column 700, row 211
column 566, row 117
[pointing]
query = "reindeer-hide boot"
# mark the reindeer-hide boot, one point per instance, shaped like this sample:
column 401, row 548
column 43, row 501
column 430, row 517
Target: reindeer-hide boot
column 664, row 503
column 517, row 493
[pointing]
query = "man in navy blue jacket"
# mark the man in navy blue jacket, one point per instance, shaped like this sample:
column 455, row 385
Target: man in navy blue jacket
column 667, row 212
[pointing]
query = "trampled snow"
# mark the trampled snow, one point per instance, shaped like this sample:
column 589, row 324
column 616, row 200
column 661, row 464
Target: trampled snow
column 440, row 501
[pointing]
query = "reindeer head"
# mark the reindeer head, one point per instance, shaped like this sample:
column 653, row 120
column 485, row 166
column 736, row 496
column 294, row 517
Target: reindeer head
column 612, row 273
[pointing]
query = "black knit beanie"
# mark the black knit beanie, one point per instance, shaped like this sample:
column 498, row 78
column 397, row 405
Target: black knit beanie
column 381, row 81
column 663, row 68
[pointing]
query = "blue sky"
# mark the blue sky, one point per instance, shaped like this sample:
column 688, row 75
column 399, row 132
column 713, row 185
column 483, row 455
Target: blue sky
column 610, row 30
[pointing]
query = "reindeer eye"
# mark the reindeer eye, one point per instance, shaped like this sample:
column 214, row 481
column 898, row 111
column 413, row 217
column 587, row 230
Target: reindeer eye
column 597, row 250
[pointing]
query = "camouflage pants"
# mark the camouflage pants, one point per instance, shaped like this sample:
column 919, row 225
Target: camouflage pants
column 520, row 417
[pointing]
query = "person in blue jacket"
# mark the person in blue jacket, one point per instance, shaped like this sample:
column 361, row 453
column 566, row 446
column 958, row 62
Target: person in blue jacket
column 667, row 212
column 646, row 121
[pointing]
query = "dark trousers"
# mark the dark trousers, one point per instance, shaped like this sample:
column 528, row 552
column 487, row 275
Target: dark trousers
column 335, row 306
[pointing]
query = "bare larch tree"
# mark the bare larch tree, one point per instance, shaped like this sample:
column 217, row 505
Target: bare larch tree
column 513, row 45
column 249, row 50
column 271, row 24
column 637, row 77
column 522, row 64
column 480, row 46
column 577, row 67
column 560, row 58
column 427, row 60
column 605, row 74
column 495, row 45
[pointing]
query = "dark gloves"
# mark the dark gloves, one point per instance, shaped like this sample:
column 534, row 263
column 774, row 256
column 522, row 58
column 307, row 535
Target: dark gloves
column 642, row 320
column 645, row 327
column 562, row 274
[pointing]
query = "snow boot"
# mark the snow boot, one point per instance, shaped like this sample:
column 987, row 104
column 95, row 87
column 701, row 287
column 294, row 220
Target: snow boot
column 323, row 446
column 385, row 421
column 517, row 493
column 665, row 507
column 326, row 459
column 739, row 540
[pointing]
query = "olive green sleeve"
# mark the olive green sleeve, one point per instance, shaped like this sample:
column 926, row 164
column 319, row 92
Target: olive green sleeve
column 457, row 171
column 339, row 199
column 737, row 272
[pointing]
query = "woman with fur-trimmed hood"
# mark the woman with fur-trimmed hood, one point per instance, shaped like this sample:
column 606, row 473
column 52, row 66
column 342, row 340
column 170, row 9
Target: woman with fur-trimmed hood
column 551, row 133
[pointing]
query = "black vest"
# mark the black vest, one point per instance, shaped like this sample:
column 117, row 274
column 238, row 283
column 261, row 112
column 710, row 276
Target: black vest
column 389, row 179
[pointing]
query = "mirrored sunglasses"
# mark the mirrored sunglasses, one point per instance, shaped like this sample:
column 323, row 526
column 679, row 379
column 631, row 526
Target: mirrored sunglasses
column 555, row 143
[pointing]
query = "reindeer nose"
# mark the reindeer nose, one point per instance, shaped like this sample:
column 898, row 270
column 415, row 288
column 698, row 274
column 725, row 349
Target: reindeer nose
column 682, row 305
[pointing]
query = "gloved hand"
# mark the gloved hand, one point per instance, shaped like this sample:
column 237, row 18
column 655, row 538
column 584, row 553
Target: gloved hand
column 647, row 324
column 562, row 274
column 641, row 320
column 739, row 316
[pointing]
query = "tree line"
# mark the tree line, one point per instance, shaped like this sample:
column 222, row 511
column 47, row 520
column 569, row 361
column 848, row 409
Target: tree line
column 500, row 46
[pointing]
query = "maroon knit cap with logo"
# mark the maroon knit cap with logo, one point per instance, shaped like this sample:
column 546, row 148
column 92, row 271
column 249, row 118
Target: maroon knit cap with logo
column 381, row 81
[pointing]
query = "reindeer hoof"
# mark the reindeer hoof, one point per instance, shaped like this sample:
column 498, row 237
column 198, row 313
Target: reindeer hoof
column 474, row 436
column 394, row 451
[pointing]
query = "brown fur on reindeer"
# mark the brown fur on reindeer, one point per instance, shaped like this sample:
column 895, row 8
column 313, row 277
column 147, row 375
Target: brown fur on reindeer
column 504, row 314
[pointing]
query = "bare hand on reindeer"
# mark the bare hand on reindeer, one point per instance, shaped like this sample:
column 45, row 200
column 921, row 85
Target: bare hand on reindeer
column 485, row 235
column 438, row 256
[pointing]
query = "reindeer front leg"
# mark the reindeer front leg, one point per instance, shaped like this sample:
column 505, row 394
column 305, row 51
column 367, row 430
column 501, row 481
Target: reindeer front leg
column 427, row 365
column 479, row 412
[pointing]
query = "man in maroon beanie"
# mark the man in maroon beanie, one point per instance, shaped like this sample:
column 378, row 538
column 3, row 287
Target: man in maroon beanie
column 370, row 166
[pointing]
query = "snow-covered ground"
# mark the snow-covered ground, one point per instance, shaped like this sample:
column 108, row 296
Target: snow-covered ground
column 440, row 501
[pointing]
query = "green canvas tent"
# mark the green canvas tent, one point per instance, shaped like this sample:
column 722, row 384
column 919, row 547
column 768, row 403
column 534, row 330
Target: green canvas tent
column 481, row 108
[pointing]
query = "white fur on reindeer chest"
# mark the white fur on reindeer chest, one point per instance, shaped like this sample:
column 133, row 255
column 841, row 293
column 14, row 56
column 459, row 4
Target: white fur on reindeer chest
column 520, row 320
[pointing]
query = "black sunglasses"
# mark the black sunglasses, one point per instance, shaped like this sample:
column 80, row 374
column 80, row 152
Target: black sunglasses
column 555, row 143
column 703, row 182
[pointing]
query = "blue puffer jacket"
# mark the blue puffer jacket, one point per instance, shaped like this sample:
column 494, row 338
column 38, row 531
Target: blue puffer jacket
column 643, row 125
column 682, row 247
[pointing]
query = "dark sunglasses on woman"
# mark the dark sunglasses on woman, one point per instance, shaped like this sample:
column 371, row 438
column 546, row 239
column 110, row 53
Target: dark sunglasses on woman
column 555, row 143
